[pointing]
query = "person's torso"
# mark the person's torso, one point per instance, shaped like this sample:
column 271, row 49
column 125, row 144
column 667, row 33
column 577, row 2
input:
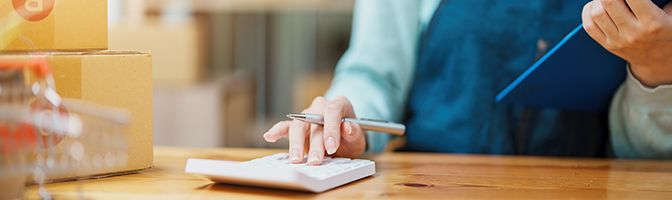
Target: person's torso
column 470, row 51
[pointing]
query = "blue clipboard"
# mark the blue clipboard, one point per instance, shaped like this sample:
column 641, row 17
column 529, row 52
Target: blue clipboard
column 577, row 74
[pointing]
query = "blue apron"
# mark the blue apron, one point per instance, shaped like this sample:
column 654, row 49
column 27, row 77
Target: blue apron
column 470, row 51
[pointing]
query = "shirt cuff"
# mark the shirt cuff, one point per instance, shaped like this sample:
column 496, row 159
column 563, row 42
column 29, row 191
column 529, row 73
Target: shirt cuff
column 635, row 92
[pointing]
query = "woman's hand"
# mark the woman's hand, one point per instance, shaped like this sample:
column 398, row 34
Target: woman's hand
column 342, row 139
column 637, row 31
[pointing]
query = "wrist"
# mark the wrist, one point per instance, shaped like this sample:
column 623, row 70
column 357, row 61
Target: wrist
column 652, row 76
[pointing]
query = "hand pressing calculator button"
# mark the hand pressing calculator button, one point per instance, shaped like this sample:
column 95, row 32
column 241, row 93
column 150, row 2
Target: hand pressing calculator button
column 277, row 171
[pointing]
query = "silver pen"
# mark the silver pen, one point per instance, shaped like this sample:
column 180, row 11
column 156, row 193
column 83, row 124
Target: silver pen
column 365, row 124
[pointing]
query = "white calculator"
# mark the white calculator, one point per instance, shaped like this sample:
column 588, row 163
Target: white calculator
column 276, row 171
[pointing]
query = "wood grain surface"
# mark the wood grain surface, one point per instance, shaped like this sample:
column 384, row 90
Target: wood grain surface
column 399, row 176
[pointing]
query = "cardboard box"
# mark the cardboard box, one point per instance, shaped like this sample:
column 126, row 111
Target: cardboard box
column 214, row 114
column 111, row 78
column 61, row 25
column 177, row 48
column 188, row 115
column 239, row 110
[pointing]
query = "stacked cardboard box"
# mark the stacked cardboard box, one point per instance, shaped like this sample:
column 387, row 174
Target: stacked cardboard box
column 181, row 61
column 47, row 25
column 188, row 115
column 72, row 36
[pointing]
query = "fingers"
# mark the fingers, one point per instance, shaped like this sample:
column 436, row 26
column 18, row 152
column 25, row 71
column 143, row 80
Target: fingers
column 351, row 131
column 316, row 139
column 643, row 9
column 352, row 134
column 620, row 13
column 316, row 147
column 279, row 130
column 589, row 25
column 299, row 130
column 297, row 137
column 603, row 20
column 316, row 152
column 333, row 115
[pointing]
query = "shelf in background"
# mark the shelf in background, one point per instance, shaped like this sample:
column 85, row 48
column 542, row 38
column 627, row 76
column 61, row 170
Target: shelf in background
column 260, row 5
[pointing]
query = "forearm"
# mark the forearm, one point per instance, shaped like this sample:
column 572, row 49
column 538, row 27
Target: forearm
column 375, row 73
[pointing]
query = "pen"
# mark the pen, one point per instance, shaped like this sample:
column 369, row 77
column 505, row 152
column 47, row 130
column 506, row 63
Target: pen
column 365, row 124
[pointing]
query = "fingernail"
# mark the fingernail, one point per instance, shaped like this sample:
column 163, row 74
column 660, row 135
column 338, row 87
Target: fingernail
column 294, row 155
column 313, row 159
column 268, row 138
column 348, row 127
column 331, row 145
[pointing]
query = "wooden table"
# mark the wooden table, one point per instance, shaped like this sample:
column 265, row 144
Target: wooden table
column 400, row 176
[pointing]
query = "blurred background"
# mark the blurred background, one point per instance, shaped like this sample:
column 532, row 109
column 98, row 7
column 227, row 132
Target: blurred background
column 226, row 70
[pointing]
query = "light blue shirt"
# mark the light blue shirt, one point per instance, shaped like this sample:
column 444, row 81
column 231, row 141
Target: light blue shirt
column 376, row 73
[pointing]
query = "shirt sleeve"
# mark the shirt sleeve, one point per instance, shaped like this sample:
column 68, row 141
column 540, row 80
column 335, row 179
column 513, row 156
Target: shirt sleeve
column 376, row 71
column 640, row 121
